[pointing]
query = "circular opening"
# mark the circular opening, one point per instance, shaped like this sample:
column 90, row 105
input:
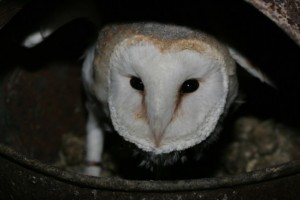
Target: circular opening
column 42, row 102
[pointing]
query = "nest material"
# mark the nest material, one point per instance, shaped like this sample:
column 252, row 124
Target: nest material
column 255, row 144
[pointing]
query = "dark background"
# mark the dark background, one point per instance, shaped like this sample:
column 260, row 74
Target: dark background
column 233, row 22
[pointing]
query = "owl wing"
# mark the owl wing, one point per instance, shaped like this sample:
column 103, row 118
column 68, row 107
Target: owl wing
column 249, row 67
column 87, row 68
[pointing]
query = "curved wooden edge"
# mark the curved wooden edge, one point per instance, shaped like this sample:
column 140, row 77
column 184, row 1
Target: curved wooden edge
column 284, row 13
column 118, row 184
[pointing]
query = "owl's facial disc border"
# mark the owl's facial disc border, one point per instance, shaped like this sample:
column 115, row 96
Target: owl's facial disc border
column 212, row 117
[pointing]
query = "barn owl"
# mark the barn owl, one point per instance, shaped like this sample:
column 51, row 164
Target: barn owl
column 165, row 88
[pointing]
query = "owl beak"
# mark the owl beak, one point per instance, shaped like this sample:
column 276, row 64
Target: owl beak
column 159, row 115
column 157, row 138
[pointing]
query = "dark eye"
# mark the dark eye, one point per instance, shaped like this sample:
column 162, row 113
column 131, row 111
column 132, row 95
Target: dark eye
column 137, row 83
column 189, row 86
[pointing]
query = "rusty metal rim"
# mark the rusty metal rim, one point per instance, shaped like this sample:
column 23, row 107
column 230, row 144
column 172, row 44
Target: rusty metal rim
column 117, row 184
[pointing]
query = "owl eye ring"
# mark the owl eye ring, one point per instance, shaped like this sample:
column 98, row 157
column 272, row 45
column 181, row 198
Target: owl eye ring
column 189, row 86
column 137, row 83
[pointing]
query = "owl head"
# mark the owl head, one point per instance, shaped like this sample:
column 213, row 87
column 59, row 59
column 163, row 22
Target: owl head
column 166, row 86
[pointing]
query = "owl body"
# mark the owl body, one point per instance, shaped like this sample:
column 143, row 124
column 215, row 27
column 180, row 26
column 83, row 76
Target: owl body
column 164, row 87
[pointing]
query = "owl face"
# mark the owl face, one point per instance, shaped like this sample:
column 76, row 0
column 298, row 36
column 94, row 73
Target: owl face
column 166, row 96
